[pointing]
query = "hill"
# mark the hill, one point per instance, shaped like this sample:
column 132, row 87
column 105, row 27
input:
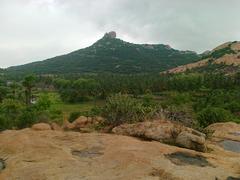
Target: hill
column 224, row 58
column 110, row 54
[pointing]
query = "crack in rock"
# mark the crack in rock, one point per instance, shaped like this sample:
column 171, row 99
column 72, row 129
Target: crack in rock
column 89, row 152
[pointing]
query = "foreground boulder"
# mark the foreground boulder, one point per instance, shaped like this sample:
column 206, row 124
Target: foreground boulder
column 82, row 123
column 41, row 127
column 164, row 131
column 191, row 141
column 56, row 127
column 228, row 130
column 67, row 155
column 225, row 135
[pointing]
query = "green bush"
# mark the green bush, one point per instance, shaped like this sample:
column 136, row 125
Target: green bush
column 176, row 98
column 125, row 109
column 10, row 110
column 14, row 114
column 95, row 111
column 56, row 115
column 234, row 107
column 73, row 116
column 212, row 115
column 27, row 118
column 3, row 123
column 44, row 102
column 148, row 100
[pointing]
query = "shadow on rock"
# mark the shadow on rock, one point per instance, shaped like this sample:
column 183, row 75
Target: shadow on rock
column 2, row 164
column 182, row 158
column 230, row 145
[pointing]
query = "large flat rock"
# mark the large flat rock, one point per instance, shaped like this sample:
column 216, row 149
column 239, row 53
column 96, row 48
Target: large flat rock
column 59, row 155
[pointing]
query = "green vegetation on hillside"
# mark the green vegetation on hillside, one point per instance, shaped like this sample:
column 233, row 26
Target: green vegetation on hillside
column 113, row 56
column 220, row 52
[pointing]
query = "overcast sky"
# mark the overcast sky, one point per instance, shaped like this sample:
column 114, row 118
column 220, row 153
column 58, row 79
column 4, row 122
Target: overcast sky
column 32, row 30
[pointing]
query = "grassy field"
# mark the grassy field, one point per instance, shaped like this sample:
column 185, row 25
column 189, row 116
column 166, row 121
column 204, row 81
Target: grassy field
column 68, row 108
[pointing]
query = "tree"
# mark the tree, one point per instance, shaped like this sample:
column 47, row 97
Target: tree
column 15, row 91
column 3, row 92
column 29, row 83
column 10, row 110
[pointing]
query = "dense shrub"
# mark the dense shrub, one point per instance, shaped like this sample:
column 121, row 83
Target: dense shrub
column 125, row 109
column 177, row 98
column 44, row 102
column 183, row 114
column 211, row 115
column 10, row 110
column 3, row 123
column 14, row 114
column 233, row 106
column 27, row 118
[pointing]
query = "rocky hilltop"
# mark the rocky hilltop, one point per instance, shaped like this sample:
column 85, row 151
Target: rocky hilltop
column 224, row 58
column 41, row 153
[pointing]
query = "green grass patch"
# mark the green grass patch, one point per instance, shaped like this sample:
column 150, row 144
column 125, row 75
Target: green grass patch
column 67, row 108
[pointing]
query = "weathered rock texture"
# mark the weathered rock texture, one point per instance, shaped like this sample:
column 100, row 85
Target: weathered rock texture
column 59, row 155
column 41, row 127
column 191, row 141
column 225, row 135
column 164, row 131
column 82, row 123
column 229, row 130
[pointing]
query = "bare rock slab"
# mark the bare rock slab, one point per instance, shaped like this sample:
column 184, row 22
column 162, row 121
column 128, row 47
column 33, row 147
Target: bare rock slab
column 61, row 155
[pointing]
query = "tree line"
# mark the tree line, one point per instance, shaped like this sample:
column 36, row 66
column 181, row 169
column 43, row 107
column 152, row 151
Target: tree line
column 101, row 86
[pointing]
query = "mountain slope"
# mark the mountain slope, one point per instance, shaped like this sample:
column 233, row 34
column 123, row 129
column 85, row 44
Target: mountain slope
column 110, row 54
column 224, row 58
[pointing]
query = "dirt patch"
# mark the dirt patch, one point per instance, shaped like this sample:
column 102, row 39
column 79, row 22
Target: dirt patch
column 182, row 158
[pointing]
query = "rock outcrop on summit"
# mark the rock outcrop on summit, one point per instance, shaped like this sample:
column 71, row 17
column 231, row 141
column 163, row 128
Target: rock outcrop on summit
column 111, row 34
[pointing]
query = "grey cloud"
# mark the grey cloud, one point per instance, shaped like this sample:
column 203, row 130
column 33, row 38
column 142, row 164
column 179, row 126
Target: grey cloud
column 37, row 29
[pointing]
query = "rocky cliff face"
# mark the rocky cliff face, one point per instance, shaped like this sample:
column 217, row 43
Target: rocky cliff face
column 43, row 154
